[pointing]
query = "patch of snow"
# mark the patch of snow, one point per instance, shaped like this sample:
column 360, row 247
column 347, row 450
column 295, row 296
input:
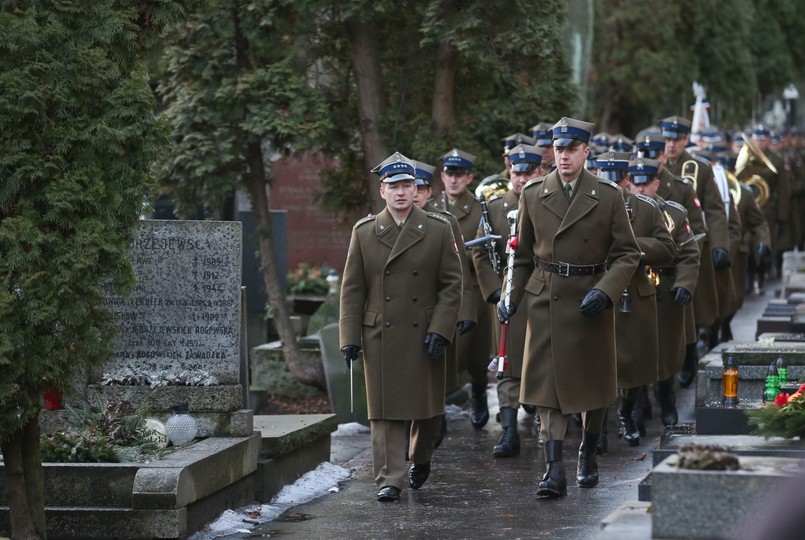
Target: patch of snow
column 312, row 485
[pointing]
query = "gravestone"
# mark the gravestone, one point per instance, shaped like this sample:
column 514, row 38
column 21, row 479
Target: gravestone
column 180, row 328
column 183, row 315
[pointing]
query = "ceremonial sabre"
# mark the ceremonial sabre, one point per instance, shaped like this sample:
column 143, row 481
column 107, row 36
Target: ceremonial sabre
column 499, row 364
column 351, row 393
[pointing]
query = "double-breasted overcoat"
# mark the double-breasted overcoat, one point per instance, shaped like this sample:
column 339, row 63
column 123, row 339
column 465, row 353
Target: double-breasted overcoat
column 398, row 285
column 636, row 329
column 570, row 359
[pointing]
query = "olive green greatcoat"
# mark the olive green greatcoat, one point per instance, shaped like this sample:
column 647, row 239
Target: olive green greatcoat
column 474, row 348
column 398, row 285
column 705, row 307
column 636, row 330
column 489, row 282
column 672, row 319
column 680, row 190
column 467, row 311
column 754, row 230
column 570, row 359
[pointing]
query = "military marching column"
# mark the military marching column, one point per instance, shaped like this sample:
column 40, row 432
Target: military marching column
column 589, row 271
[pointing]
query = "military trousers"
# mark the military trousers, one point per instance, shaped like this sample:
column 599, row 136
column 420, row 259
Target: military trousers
column 509, row 392
column 553, row 424
column 388, row 447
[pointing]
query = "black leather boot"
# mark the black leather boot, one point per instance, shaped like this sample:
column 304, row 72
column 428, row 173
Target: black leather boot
column 626, row 426
column 554, row 481
column 480, row 409
column 587, row 472
column 665, row 395
column 509, row 443
column 726, row 329
column 442, row 432
column 642, row 404
column 688, row 372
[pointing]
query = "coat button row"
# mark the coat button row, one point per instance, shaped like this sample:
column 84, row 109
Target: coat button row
column 555, row 298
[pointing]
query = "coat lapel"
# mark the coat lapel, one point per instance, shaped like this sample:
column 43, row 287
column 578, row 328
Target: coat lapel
column 584, row 200
column 412, row 232
column 552, row 196
column 463, row 206
column 386, row 229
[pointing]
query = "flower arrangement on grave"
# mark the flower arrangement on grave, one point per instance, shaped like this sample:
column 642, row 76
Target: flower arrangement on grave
column 784, row 417
column 308, row 279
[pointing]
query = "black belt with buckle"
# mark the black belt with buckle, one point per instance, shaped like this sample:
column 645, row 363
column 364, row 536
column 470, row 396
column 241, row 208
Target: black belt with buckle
column 567, row 269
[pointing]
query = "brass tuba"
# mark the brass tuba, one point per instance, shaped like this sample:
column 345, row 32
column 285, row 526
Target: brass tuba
column 492, row 187
column 750, row 155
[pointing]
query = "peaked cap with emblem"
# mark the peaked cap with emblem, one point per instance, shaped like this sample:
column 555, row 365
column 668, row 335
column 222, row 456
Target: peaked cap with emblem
column 423, row 173
column 395, row 168
column 650, row 145
column 612, row 165
column 456, row 160
column 675, row 127
column 571, row 132
column 543, row 134
column 525, row 157
column 643, row 170
column 513, row 140
column 621, row 143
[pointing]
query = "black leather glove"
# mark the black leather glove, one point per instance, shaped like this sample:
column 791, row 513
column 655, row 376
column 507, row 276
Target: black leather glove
column 436, row 345
column 594, row 303
column 682, row 296
column 494, row 298
column 350, row 353
column 763, row 250
column 721, row 259
column 464, row 326
column 503, row 313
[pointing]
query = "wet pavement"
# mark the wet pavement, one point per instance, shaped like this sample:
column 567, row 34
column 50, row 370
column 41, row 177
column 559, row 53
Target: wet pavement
column 471, row 494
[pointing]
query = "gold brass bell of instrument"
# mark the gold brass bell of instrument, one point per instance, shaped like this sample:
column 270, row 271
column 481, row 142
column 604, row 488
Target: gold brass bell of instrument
column 625, row 302
column 759, row 187
column 492, row 187
column 752, row 156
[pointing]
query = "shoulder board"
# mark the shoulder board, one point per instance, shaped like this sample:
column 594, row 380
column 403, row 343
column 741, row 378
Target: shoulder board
column 674, row 204
column 683, row 179
column 438, row 216
column 702, row 159
column 648, row 200
column 534, row 181
column 367, row 219
column 609, row 183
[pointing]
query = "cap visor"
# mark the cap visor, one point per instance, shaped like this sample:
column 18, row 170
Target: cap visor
column 611, row 175
column 524, row 167
column 454, row 168
column 562, row 143
column 670, row 134
column 399, row 177
column 640, row 179
column 544, row 142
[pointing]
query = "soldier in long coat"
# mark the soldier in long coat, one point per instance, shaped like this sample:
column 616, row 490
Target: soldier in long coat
column 424, row 178
column 525, row 161
column 636, row 321
column 676, row 284
column 576, row 255
column 473, row 343
column 714, row 252
column 400, row 299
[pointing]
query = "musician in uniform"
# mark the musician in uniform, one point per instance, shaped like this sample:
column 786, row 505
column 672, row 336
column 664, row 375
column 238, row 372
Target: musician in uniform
column 714, row 254
column 651, row 144
column 474, row 342
column 508, row 143
column 636, row 320
column 424, row 178
column 575, row 256
column 754, row 237
column 776, row 208
column 525, row 160
column 400, row 299
column 676, row 283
